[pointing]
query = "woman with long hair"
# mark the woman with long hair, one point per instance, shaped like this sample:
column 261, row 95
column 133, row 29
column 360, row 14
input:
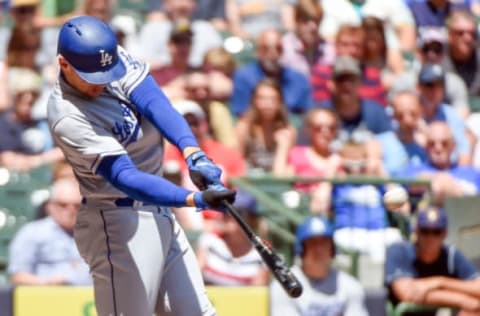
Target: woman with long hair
column 264, row 133
column 376, row 54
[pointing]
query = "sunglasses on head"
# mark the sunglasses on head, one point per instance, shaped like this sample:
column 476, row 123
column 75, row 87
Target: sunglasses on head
column 431, row 231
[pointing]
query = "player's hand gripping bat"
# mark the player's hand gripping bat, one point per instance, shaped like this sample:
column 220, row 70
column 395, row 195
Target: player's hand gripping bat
column 276, row 265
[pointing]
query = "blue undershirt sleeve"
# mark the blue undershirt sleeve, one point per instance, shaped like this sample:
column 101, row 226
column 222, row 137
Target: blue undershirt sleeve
column 152, row 103
column 122, row 173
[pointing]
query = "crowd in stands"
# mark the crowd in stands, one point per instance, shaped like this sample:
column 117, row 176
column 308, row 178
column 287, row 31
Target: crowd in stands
column 310, row 88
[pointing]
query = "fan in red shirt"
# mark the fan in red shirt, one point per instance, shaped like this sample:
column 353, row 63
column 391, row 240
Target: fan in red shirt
column 229, row 159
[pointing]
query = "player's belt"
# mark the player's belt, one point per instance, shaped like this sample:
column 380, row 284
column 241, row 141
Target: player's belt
column 122, row 202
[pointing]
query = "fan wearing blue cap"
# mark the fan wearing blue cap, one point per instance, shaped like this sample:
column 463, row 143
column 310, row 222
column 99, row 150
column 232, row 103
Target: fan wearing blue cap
column 110, row 118
column 428, row 271
column 327, row 291
column 431, row 88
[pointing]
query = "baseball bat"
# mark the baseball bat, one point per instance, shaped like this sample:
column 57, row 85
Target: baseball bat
column 273, row 261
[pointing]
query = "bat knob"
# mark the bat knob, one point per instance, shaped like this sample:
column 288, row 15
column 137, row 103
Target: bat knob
column 295, row 290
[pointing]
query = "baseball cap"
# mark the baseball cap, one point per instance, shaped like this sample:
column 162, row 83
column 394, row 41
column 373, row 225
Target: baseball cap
column 432, row 217
column 245, row 203
column 313, row 226
column 430, row 35
column 430, row 73
column 181, row 31
column 23, row 80
column 189, row 107
column 346, row 65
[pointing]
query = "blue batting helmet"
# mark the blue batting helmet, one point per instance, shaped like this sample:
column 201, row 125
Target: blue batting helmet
column 90, row 47
column 314, row 226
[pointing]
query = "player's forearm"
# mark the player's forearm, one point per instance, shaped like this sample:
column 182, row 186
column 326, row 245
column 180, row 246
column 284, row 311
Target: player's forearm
column 122, row 173
column 155, row 106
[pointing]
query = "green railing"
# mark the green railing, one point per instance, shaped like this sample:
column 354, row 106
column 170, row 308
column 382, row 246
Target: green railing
column 282, row 219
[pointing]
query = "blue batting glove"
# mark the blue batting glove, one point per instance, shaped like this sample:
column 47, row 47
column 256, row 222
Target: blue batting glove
column 213, row 198
column 203, row 171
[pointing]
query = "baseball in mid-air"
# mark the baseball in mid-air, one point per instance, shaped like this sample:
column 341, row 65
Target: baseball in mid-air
column 395, row 197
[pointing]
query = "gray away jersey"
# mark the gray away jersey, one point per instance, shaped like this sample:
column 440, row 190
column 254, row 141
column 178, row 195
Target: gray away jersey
column 89, row 129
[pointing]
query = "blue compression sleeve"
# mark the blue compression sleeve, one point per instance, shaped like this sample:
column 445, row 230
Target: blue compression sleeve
column 154, row 105
column 122, row 173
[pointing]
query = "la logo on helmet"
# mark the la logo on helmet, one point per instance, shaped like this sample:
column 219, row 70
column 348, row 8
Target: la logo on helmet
column 105, row 58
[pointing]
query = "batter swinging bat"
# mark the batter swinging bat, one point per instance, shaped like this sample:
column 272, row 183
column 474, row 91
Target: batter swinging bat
column 276, row 265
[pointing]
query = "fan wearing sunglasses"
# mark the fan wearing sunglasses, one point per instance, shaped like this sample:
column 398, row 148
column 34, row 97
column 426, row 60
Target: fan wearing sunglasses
column 432, row 49
column 428, row 271
column 447, row 178
column 431, row 88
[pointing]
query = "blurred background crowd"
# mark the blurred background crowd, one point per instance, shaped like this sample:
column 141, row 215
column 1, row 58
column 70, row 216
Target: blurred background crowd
column 282, row 89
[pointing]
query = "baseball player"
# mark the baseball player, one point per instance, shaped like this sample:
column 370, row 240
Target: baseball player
column 109, row 117
column 326, row 290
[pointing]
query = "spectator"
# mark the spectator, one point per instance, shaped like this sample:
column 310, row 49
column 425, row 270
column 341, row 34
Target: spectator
column 303, row 48
column 29, row 43
column 463, row 58
column 432, row 48
column 431, row 87
column 212, row 11
column 249, row 18
column 228, row 258
column 433, row 13
column 408, row 145
column 4, row 104
column 428, row 271
column 155, row 33
column 198, row 88
column 295, row 88
column 357, row 116
column 43, row 252
column 350, row 41
column 376, row 53
column 27, row 143
column 229, row 159
column 4, row 101
column 220, row 66
column 264, row 133
column 101, row 9
column 318, row 158
column 447, row 178
column 361, row 222
column 171, row 76
column 400, row 25
column 326, row 290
